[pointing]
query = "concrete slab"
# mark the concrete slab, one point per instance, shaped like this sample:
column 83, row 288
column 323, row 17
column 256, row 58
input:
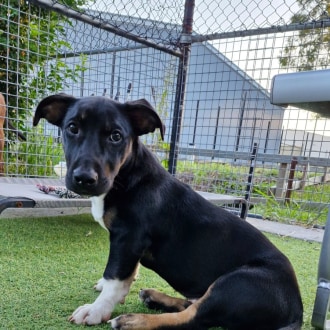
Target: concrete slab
column 300, row 232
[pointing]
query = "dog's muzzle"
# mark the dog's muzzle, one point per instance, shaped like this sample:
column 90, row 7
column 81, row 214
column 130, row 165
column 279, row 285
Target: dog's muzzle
column 87, row 181
column 84, row 178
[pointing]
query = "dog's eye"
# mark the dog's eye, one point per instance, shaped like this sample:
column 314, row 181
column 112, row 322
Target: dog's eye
column 73, row 128
column 115, row 136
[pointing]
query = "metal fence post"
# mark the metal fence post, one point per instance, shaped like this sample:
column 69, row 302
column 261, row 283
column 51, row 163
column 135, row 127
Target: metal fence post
column 185, row 45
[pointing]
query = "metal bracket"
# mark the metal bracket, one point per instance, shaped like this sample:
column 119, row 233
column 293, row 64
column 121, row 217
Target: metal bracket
column 322, row 299
column 15, row 202
column 321, row 307
column 185, row 38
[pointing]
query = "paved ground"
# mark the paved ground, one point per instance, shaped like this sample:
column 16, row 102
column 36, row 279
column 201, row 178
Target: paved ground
column 311, row 234
column 299, row 232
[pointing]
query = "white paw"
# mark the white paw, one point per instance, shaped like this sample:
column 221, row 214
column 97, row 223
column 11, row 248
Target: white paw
column 90, row 314
column 99, row 285
column 115, row 324
column 129, row 322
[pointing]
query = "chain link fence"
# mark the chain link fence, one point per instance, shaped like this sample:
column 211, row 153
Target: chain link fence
column 206, row 68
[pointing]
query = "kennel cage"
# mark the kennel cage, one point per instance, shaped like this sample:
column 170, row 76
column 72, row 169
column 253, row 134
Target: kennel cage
column 208, row 78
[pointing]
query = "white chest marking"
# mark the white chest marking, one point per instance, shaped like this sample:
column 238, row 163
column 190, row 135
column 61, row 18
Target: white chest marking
column 98, row 209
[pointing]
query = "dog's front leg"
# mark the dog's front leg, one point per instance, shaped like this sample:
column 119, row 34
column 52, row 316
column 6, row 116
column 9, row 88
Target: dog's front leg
column 100, row 310
column 100, row 283
column 113, row 291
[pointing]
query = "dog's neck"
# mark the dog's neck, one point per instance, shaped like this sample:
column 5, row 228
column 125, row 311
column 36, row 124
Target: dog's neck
column 139, row 165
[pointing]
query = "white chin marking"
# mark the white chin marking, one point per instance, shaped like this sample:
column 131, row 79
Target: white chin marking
column 98, row 209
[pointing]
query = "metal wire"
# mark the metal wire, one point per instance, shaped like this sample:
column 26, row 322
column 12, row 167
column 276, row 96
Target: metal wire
column 206, row 67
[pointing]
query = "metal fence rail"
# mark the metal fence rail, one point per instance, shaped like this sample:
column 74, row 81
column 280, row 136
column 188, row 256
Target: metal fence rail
column 206, row 68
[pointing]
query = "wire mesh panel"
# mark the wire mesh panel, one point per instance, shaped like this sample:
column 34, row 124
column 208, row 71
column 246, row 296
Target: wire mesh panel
column 255, row 41
column 207, row 69
column 43, row 52
column 26, row 54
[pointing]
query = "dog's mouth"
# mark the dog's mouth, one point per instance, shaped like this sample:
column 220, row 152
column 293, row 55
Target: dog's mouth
column 95, row 190
column 87, row 182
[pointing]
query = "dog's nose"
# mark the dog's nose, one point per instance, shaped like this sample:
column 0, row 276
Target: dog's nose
column 84, row 177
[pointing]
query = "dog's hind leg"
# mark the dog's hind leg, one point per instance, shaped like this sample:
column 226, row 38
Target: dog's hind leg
column 180, row 320
column 160, row 301
column 183, row 320
column 241, row 300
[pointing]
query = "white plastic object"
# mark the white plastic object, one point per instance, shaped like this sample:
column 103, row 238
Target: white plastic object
column 308, row 90
column 60, row 169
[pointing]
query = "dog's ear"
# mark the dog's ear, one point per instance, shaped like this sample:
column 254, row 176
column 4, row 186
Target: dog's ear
column 144, row 118
column 53, row 108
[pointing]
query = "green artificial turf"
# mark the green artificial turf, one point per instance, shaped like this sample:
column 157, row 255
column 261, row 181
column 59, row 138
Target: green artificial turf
column 48, row 267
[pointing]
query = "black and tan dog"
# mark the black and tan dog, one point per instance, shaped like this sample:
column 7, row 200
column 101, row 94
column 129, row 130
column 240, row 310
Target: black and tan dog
column 229, row 273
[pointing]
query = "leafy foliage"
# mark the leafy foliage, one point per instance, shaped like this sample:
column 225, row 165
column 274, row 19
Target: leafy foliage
column 37, row 156
column 309, row 49
column 30, row 39
column 307, row 206
column 31, row 66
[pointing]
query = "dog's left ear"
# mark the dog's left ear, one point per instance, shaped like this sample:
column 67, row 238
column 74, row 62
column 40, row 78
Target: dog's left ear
column 53, row 108
column 144, row 118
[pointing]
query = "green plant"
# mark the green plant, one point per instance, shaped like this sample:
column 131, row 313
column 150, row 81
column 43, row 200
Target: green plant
column 309, row 48
column 54, row 76
column 35, row 157
column 30, row 66
column 293, row 212
column 213, row 177
column 307, row 207
column 161, row 100
column 31, row 40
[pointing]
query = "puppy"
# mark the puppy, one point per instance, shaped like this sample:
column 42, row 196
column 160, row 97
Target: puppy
column 229, row 273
